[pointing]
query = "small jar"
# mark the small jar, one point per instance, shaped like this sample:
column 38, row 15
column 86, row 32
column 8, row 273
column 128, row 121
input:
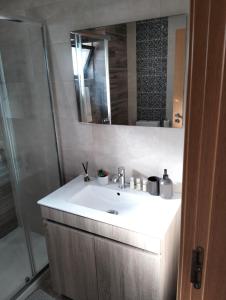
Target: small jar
column 132, row 183
column 144, row 184
column 103, row 180
column 138, row 184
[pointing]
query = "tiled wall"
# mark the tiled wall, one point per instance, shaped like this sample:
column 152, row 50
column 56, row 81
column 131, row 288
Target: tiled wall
column 118, row 73
column 152, row 46
column 141, row 150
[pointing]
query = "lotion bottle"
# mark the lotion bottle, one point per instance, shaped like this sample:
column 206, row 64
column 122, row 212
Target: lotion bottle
column 132, row 183
column 138, row 184
column 144, row 184
column 166, row 186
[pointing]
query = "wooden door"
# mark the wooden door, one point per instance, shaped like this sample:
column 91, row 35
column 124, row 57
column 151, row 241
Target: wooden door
column 126, row 273
column 72, row 262
column 204, row 188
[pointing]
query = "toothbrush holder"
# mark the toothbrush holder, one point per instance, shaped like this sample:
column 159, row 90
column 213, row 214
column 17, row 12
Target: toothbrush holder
column 153, row 185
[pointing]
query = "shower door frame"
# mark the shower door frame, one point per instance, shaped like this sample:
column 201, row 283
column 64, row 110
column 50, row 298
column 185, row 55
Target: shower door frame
column 43, row 27
column 10, row 147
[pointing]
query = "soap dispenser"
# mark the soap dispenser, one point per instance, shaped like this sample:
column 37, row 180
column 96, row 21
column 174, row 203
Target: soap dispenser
column 166, row 186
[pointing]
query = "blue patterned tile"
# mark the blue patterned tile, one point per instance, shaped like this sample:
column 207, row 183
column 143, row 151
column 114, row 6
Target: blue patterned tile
column 152, row 49
column 152, row 29
column 148, row 114
column 153, row 100
column 153, row 84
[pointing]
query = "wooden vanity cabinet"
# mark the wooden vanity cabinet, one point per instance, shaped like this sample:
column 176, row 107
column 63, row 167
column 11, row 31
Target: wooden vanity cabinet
column 90, row 260
column 72, row 262
column 126, row 273
column 84, row 266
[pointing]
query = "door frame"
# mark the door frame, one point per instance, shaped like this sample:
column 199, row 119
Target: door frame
column 203, row 206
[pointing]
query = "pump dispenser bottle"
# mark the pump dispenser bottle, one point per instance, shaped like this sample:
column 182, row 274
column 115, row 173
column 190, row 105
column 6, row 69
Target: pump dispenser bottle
column 166, row 186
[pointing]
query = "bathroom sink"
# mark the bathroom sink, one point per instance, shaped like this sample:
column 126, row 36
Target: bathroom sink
column 132, row 210
column 105, row 199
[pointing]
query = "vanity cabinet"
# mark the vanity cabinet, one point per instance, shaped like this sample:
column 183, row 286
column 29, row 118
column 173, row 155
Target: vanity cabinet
column 91, row 260
column 126, row 273
column 81, row 264
column 72, row 262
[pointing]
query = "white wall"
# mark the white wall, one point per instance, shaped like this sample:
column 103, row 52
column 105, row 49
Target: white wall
column 143, row 150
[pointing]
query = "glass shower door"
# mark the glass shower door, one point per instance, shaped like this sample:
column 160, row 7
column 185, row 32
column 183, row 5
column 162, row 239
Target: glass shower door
column 26, row 120
column 15, row 266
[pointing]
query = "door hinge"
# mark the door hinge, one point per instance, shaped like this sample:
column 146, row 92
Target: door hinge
column 196, row 267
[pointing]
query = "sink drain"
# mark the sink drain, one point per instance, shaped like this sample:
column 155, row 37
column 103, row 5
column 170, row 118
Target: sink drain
column 112, row 211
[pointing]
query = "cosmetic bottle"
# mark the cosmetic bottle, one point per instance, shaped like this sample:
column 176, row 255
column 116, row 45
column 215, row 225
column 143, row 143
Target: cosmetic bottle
column 131, row 183
column 166, row 186
column 144, row 184
column 138, row 184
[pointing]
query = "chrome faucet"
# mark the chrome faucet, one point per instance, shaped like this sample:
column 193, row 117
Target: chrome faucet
column 120, row 178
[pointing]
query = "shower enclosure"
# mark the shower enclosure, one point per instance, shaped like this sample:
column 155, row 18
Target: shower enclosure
column 29, row 162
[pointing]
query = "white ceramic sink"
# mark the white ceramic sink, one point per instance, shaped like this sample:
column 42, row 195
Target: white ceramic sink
column 106, row 199
column 137, row 211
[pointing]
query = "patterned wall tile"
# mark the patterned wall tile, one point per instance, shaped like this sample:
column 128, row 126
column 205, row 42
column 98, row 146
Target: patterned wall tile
column 154, row 84
column 152, row 48
column 153, row 100
column 151, row 114
column 152, row 29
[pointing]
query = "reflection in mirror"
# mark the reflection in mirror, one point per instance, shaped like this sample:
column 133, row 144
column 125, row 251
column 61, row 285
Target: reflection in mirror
column 131, row 74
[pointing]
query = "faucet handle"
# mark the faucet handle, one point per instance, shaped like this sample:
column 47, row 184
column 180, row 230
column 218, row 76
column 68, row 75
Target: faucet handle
column 114, row 178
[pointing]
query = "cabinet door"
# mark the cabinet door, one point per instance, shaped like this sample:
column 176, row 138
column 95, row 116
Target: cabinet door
column 72, row 262
column 126, row 273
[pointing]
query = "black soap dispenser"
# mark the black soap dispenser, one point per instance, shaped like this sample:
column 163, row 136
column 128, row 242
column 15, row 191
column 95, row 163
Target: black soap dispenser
column 166, row 186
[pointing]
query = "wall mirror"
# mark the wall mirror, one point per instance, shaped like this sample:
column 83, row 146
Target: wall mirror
column 131, row 73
